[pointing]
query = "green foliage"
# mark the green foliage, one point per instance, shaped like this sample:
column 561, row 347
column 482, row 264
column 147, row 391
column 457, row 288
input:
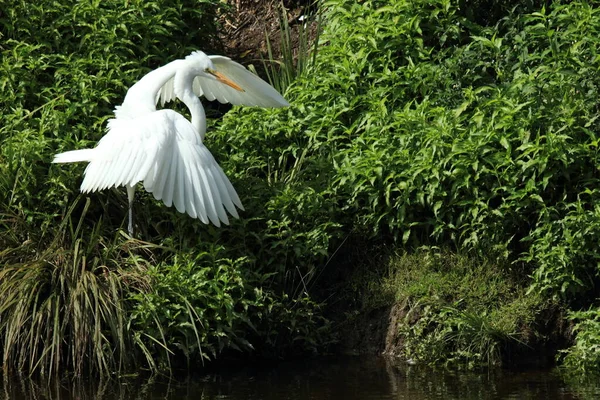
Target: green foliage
column 564, row 248
column 496, row 10
column 203, row 305
column 476, row 166
column 63, row 306
column 583, row 358
column 422, row 125
column 418, row 125
column 198, row 306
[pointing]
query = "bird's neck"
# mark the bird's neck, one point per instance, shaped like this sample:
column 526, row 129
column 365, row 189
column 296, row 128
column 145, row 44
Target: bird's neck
column 194, row 104
column 142, row 96
column 183, row 90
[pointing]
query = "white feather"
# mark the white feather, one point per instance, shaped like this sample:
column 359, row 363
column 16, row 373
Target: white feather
column 164, row 150
column 73, row 156
column 180, row 174
column 257, row 92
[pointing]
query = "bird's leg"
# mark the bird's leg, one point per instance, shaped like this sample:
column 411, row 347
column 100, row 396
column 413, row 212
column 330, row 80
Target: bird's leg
column 130, row 194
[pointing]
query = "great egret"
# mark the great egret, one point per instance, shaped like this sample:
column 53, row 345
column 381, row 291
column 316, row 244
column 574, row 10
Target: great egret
column 162, row 148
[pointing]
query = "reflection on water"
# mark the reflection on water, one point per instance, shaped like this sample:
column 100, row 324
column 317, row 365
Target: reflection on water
column 348, row 378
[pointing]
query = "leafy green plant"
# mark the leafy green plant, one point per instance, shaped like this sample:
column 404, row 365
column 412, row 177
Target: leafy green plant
column 198, row 307
column 564, row 248
column 423, row 127
column 202, row 306
column 583, row 358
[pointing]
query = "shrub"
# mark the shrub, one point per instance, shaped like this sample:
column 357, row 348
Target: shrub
column 197, row 307
column 422, row 127
column 203, row 305
column 584, row 356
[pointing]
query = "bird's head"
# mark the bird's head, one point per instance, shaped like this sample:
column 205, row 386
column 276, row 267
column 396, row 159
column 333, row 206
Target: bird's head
column 203, row 66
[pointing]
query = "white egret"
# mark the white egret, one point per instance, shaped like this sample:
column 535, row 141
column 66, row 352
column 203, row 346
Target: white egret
column 164, row 150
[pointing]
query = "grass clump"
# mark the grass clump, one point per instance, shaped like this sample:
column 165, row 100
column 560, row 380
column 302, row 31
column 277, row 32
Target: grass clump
column 63, row 307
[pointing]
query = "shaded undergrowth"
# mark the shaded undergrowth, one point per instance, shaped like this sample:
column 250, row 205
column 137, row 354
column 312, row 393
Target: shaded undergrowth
column 458, row 310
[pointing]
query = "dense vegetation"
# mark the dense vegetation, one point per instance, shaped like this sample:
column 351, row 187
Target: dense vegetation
column 421, row 124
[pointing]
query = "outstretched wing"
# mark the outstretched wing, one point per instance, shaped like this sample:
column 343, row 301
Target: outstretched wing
column 126, row 152
column 256, row 92
column 189, row 177
column 163, row 150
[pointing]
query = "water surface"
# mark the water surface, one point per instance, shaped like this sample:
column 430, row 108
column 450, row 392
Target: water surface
column 334, row 378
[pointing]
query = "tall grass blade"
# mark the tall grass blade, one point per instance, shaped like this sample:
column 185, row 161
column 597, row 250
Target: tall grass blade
column 282, row 71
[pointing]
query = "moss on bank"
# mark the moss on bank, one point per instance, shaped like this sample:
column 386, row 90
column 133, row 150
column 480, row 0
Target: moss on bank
column 443, row 308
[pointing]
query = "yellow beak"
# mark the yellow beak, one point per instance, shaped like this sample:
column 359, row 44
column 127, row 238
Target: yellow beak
column 223, row 79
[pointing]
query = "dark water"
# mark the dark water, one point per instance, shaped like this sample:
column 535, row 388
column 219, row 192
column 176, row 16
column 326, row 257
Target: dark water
column 343, row 378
